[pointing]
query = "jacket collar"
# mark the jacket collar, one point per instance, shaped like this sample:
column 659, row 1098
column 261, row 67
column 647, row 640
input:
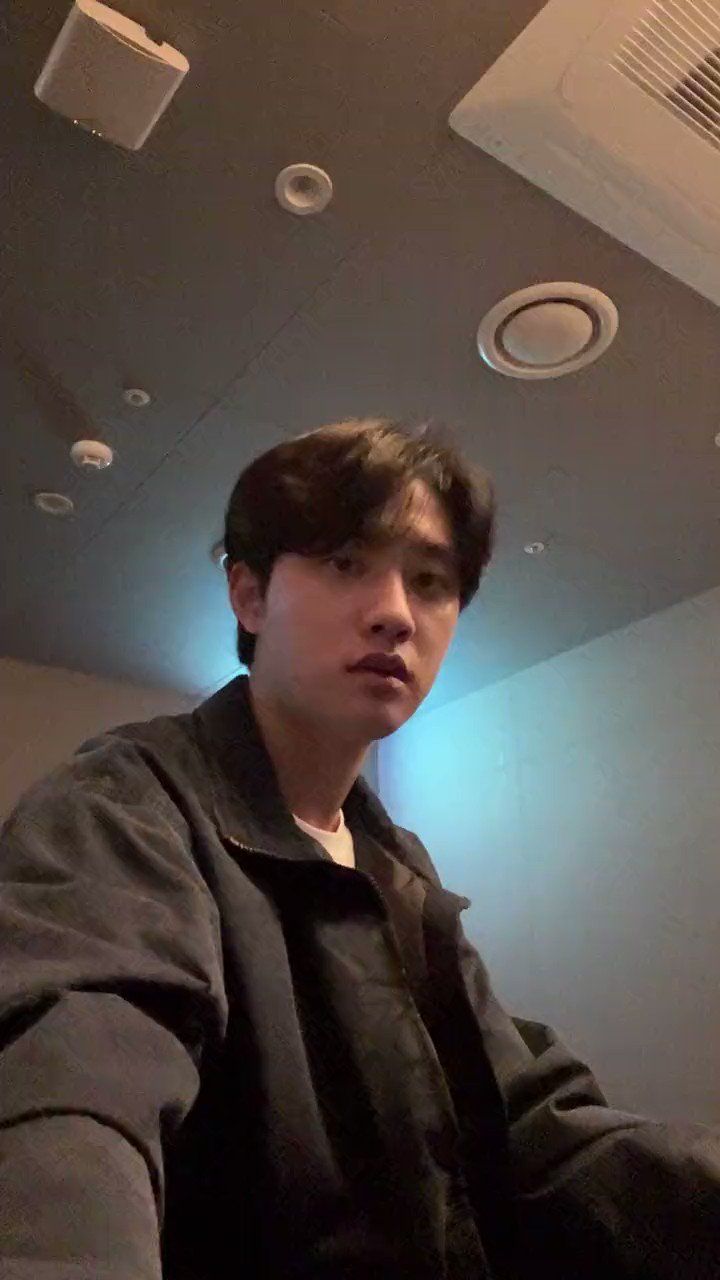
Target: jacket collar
column 248, row 804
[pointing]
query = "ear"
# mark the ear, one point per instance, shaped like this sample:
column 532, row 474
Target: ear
column 246, row 597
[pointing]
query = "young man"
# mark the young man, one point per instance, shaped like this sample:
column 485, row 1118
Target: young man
column 243, row 1033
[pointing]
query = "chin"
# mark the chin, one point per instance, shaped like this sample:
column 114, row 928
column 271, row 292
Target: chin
column 387, row 732
column 394, row 717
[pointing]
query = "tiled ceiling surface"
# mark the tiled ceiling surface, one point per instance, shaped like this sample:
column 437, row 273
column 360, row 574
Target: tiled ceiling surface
column 173, row 269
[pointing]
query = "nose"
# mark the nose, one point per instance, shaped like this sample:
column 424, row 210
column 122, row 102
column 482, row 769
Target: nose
column 389, row 612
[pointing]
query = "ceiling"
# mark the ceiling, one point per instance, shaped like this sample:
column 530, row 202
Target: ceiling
column 173, row 269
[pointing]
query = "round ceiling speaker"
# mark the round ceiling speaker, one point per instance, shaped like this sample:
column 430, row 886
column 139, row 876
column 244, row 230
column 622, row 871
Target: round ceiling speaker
column 547, row 331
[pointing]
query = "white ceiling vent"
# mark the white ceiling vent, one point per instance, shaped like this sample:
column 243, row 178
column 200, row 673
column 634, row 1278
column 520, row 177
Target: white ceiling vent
column 613, row 106
column 672, row 54
column 547, row 331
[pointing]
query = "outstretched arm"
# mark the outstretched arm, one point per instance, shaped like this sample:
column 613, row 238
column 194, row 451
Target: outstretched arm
column 110, row 986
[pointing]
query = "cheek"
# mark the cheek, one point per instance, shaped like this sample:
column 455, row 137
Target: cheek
column 304, row 625
column 441, row 643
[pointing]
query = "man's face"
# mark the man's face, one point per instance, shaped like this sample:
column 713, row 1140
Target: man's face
column 320, row 616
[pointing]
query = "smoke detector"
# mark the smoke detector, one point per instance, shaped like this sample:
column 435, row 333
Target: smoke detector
column 547, row 331
column 613, row 107
column 91, row 455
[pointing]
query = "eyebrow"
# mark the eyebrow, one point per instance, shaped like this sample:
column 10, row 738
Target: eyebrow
column 435, row 550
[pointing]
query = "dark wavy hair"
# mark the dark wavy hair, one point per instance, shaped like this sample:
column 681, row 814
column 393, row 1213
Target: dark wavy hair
column 316, row 492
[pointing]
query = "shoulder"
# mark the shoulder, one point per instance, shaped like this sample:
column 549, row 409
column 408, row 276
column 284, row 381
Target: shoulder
column 132, row 764
column 416, row 855
column 157, row 750
column 117, row 812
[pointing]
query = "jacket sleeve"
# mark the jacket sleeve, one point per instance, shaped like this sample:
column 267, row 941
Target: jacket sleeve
column 110, row 987
column 598, row 1193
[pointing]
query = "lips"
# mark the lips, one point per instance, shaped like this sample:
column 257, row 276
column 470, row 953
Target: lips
column 383, row 664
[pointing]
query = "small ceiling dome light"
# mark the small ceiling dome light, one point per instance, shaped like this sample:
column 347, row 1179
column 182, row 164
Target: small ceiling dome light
column 136, row 397
column 91, row 454
column 547, row 331
column 303, row 189
column 219, row 554
column 54, row 504
column 535, row 548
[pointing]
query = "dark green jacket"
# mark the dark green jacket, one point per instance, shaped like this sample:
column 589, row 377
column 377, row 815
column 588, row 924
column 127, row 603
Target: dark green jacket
column 223, row 1055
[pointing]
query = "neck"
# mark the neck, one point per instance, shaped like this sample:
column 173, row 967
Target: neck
column 314, row 772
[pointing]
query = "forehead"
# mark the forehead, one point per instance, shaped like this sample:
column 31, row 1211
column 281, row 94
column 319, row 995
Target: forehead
column 416, row 516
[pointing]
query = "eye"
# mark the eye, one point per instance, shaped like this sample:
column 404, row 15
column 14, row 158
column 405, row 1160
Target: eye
column 434, row 577
column 342, row 559
column 438, row 581
column 427, row 580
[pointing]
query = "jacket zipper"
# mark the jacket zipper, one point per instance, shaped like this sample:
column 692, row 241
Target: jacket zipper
column 396, row 954
column 422, row 1030
column 395, row 947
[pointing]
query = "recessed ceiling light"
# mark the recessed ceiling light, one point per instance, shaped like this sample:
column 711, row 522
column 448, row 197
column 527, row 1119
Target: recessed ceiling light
column 136, row 397
column 547, row 331
column 535, row 548
column 54, row 504
column 303, row 189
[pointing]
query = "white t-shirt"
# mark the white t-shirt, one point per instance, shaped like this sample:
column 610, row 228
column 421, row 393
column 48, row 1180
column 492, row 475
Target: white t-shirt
column 339, row 844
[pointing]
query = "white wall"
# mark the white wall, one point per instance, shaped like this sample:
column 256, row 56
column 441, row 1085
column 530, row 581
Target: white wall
column 46, row 713
column 578, row 805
